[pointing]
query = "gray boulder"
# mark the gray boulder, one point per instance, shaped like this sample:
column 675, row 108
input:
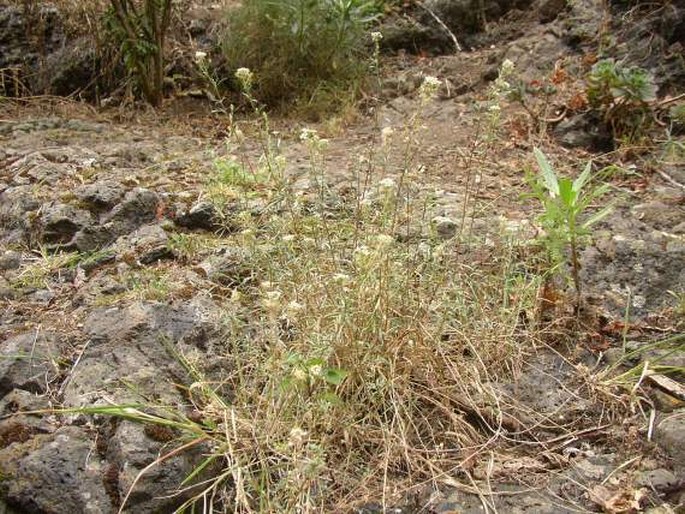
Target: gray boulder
column 100, row 196
column 29, row 361
column 59, row 223
column 58, row 473
column 138, row 207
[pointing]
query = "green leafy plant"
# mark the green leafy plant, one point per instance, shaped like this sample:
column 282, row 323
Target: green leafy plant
column 565, row 201
column 310, row 51
column 623, row 96
column 141, row 28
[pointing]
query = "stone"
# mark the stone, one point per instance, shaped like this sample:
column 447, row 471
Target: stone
column 18, row 51
column 100, row 196
column 60, row 222
column 138, row 207
column 15, row 205
column 659, row 480
column 659, row 215
column 146, row 245
column 10, row 260
column 29, row 361
column 231, row 268
column 670, row 435
column 445, row 227
column 92, row 238
column 69, row 69
column 202, row 215
column 548, row 10
column 137, row 352
column 584, row 131
column 7, row 292
column 131, row 449
column 58, row 473
column 16, row 427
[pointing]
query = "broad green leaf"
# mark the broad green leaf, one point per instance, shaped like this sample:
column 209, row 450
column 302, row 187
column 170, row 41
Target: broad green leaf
column 566, row 192
column 582, row 178
column 548, row 175
column 334, row 376
column 330, row 398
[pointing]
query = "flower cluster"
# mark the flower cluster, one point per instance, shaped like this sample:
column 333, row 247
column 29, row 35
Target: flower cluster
column 501, row 86
column 311, row 138
column 429, row 87
column 245, row 78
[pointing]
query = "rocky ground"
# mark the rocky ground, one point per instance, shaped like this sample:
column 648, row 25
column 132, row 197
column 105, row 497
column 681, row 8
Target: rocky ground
column 98, row 283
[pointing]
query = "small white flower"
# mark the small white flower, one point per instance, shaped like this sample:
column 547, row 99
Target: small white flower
column 245, row 77
column 387, row 184
column 424, row 249
column 384, row 240
column 293, row 308
column 376, row 37
column 429, row 87
column 501, row 86
column 307, row 134
column 238, row 134
column 639, row 301
column 200, row 56
column 386, row 134
column 288, row 238
column 507, row 67
column 341, row 278
column 299, row 374
column 272, row 301
column 273, row 295
column 316, row 370
column 297, row 436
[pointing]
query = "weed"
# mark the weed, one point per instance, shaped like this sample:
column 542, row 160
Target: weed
column 623, row 96
column 211, row 81
column 301, row 50
column 361, row 360
column 652, row 356
column 47, row 265
column 564, row 202
column 187, row 247
column 141, row 28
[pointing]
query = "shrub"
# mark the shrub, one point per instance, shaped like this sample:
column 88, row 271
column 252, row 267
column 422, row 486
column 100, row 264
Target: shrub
column 623, row 95
column 140, row 28
column 308, row 51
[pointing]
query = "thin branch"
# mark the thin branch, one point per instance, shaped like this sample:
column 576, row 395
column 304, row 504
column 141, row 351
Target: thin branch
column 443, row 26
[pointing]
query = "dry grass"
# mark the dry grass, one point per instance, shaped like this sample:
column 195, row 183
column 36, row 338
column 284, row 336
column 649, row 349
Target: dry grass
column 362, row 361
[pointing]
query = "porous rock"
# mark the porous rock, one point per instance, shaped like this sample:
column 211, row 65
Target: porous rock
column 100, row 196
column 670, row 435
column 58, row 473
column 60, row 222
column 28, row 361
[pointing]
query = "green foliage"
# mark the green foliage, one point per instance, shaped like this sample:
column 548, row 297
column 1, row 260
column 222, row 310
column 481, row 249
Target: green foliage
column 622, row 94
column 140, row 29
column 309, row 51
column 565, row 201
